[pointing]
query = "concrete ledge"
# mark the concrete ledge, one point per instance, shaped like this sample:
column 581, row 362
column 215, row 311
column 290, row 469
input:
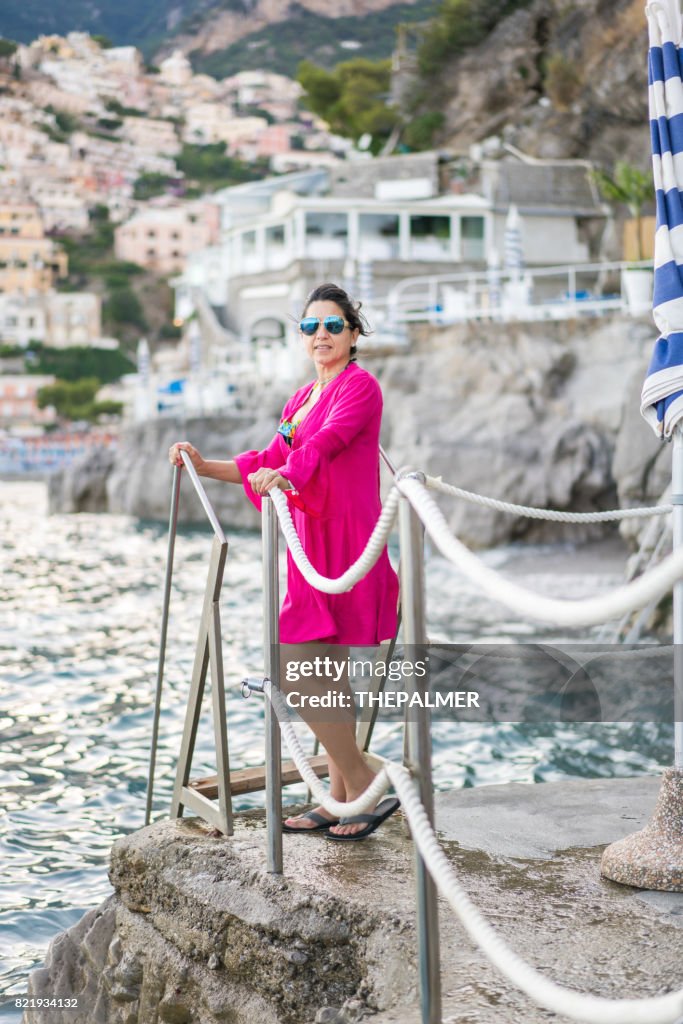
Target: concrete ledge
column 197, row 931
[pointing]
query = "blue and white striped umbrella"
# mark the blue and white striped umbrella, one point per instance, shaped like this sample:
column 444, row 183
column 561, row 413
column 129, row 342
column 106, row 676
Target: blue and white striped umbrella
column 661, row 400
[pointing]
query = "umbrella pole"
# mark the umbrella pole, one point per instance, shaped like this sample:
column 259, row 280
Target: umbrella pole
column 677, row 498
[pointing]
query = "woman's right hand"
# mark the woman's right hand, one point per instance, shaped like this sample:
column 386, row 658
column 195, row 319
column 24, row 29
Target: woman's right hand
column 185, row 446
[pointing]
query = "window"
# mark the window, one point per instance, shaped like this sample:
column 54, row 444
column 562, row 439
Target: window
column 430, row 237
column 378, row 236
column 249, row 242
column 422, row 226
column 472, row 238
column 275, row 235
column 328, row 225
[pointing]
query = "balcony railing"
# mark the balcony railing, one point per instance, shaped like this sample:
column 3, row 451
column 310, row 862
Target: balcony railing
column 550, row 293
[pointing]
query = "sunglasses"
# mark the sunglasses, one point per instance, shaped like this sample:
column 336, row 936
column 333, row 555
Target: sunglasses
column 333, row 324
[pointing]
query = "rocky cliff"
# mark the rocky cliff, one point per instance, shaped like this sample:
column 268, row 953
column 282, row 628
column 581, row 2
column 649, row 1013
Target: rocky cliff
column 218, row 28
column 542, row 414
column 555, row 79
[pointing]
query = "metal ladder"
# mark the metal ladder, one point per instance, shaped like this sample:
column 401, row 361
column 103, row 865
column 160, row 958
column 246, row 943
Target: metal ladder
column 210, row 797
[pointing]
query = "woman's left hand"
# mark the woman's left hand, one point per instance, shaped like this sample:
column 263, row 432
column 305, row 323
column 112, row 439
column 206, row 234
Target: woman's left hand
column 263, row 480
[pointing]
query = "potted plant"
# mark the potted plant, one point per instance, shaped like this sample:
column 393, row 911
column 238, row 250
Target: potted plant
column 632, row 187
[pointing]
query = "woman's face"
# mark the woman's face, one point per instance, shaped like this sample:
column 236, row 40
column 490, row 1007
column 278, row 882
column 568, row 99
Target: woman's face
column 329, row 352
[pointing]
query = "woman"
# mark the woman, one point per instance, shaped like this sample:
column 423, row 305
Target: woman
column 325, row 457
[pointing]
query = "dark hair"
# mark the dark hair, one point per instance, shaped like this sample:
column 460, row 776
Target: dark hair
column 351, row 310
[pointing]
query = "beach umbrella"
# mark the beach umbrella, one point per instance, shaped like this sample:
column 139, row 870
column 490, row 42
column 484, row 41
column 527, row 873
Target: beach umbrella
column 653, row 857
column 662, row 394
column 195, row 347
column 493, row 279
column 143, row 360
column 513, row 255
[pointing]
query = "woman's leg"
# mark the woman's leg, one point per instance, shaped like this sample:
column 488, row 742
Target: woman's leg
column 335, row 727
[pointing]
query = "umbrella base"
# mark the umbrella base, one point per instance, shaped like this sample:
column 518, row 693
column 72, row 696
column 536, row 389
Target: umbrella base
column 653, row 857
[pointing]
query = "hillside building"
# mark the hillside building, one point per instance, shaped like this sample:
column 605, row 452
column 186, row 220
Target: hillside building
column 162, row 237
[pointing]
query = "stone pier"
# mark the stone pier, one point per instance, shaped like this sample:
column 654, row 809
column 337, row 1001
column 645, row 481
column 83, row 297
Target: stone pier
column 197, row 932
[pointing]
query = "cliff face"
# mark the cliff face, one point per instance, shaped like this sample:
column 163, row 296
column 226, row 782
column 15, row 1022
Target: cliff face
column 540, row 414
column 555, row 79
column 221, row 28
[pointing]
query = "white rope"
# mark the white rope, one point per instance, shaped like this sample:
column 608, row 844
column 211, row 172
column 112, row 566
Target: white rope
column 359, row 568
column 526, row 603
column 437, row 484
column 369, row 798
column 586, row 1008
column 564, row 1001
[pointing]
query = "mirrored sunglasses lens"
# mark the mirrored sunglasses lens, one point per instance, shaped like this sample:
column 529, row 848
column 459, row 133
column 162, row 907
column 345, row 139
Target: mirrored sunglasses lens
column 309, row 325
column 334, row 324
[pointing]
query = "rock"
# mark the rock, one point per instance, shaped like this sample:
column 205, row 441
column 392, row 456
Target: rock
column 81, row 487
column 280, row 956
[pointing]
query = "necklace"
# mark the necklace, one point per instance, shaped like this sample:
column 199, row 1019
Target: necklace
column 320, row 384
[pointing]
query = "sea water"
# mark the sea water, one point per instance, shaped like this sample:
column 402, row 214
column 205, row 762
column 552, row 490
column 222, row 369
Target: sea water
column 80, row 614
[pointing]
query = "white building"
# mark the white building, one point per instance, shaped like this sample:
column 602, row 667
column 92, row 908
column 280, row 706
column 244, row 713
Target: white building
column 57, row 319
column 62, row 208
column 23, row 319
column 153, row 135
column 73, row 318
column 205, row 123
column 176, row 69
column 369, row 224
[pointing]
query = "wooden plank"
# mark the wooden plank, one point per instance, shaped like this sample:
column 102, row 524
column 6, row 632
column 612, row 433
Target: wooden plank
column 251, row 780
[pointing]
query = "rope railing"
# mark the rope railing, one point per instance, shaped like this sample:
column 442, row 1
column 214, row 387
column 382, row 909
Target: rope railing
column 435, row 483
column 578, row 1006
column 654, row 583
column 561, row 1000
column 583, row 612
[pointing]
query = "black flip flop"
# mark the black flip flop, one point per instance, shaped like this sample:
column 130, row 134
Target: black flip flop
column 384, row 809
column 321, row 822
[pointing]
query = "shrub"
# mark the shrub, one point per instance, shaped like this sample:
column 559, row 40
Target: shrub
column 562, row 81
column 420, row 132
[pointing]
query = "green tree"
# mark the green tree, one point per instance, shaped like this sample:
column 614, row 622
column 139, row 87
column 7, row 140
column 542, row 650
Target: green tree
column 78, row 361
column 630, row 186
column 459, row 25
column 75, row 400
column 7, row 47
column 104, row 42
column 211, row 166
column 419, row 133
column 151, row 183
column 352, row 98
column 124, row 307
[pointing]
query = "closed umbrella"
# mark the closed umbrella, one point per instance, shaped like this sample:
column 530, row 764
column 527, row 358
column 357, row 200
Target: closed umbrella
column 513, row 253
column 662, row 394
column 653, row 857
column 493, row 279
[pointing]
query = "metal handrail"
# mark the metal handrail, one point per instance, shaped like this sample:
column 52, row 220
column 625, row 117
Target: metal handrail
column 172, row 531
column 201, row 494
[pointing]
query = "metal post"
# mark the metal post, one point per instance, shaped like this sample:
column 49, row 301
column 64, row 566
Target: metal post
column 677, row 498
column 172, row 527
column 271, row 651
column 420, row 757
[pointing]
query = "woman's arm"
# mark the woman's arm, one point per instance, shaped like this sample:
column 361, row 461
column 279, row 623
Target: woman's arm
column 215, row 469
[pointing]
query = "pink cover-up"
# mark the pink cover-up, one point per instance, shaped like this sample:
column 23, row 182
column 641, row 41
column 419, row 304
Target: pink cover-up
column 333, row 465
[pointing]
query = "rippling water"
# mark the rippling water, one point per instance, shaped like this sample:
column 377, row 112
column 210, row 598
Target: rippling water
column 79, row 620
